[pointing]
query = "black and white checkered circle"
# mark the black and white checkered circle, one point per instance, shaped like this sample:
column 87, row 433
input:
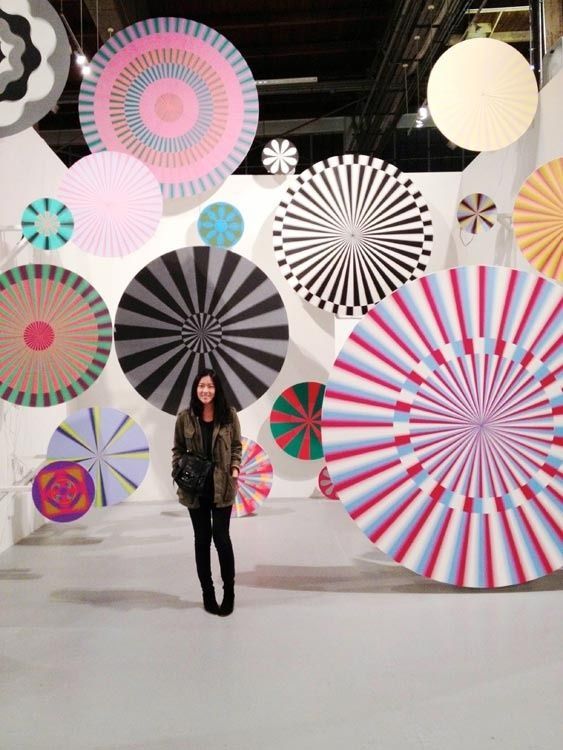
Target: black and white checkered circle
column 350, row 231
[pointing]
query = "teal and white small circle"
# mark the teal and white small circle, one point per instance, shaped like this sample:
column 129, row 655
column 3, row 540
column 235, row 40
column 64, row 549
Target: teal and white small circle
column 47, row 224
column 220, row 225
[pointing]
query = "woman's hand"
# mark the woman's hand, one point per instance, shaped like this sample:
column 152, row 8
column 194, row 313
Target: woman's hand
column 235, row 471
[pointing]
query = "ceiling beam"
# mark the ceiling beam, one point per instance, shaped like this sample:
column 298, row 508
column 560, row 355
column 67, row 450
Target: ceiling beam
column 553, row 10
column 115, row 14
column 58, row 139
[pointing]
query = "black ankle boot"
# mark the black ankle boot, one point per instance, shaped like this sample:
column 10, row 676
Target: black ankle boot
column 228, row 603
column 210, row 602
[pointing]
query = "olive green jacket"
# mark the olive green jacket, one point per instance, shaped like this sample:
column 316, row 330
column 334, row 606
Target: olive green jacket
column 226, row 452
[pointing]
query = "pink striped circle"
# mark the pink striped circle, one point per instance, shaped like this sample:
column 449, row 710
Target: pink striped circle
column 442, row 426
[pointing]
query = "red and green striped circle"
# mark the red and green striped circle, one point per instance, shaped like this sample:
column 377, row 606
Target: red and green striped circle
column 55, row 335
column 295, row 420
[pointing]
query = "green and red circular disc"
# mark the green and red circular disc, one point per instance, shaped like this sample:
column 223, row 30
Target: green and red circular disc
column 295, row 420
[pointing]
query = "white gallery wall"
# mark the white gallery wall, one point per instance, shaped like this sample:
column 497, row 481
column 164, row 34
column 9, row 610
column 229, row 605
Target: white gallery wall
column 30, row 170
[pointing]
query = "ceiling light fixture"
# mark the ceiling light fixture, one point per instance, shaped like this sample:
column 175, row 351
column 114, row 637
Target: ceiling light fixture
column 286, row 81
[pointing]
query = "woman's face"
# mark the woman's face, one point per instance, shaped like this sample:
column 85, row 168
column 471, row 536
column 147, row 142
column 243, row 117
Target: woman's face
column 206, row 390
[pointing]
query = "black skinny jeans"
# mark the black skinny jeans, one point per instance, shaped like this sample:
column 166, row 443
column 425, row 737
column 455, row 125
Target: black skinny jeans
column 210, row 522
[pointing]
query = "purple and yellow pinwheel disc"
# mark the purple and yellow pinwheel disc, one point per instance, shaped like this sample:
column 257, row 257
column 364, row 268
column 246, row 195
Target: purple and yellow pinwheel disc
column 177, row 95
column 476, row 213
column 63, row 491
column 255, row 478
column 295, row 420
column 538, row 219
column 55, row 335
column 109, row 445
column 443, row 426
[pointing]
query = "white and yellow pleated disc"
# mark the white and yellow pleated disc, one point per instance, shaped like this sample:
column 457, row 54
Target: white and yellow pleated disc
column 482, row 94
column 538, row 219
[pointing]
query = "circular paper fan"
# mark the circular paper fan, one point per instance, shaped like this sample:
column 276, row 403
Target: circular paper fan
column 476, row 213
column 442, row 426
column 200, row 307
column 280, row 156
column 349, row 231
column 482, row 94
column 63, row 491
column 325, row 485
column 175, row 94
column 116, row 203
column 109, row 445
column 34, row 64
column 220, row 225
column 538, row 219
column 255, row 478
column 55, row 335
column 295, row 420
column 47, row 224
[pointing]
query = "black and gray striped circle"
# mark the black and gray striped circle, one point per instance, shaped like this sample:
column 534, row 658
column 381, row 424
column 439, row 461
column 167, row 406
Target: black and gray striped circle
column 200, row 307
column 350, row 231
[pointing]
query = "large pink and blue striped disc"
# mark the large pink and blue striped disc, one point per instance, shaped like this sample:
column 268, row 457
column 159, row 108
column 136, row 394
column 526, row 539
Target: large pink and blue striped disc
column 255, row 478
column 443, row 426
column 175, row 94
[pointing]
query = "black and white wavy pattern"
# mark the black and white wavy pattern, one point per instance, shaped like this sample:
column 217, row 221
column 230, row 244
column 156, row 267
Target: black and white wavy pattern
column 34, row 72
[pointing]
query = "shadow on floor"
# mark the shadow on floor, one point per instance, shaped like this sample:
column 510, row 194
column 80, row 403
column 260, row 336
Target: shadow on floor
column 58, row 541
column 265, row 511
column 260, row 512
column 382, row 580
column 122, row 599
column 18, row 574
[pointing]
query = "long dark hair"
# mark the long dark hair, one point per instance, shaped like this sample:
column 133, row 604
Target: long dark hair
column 221, row 411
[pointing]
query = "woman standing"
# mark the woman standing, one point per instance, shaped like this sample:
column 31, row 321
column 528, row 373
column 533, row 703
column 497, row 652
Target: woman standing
column 211, row 428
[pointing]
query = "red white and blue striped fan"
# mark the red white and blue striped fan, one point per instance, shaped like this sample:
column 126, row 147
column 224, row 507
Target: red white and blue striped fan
column 177, row 95
column 349, row 231
column 110, row 445
column 476, row 213
column 255, row 478
column 443, row 426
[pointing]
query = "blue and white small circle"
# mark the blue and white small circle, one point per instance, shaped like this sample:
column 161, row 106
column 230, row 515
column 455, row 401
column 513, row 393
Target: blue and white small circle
column 220, row 225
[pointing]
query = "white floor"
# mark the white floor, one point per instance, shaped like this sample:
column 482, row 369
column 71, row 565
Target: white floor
column 104, row 644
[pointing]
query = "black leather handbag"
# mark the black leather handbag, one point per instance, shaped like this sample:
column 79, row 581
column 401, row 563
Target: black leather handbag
column 191, row 472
